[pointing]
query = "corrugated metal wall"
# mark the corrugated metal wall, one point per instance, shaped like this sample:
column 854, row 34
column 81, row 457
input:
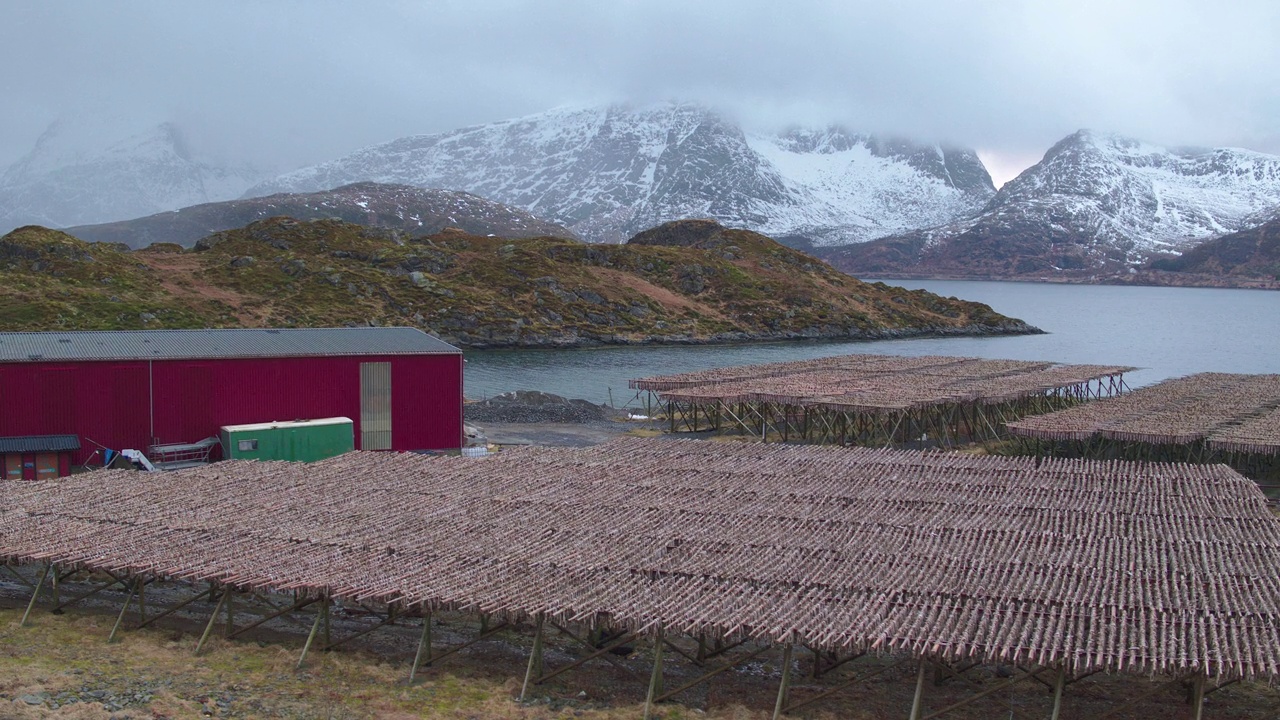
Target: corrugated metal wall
column 107, row 403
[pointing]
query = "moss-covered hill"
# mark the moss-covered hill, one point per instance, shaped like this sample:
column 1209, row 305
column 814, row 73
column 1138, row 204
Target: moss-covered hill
column 682, row 282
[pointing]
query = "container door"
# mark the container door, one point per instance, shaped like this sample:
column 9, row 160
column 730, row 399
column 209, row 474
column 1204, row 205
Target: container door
column 46, row 466
column 375, row 406
column 13, row 466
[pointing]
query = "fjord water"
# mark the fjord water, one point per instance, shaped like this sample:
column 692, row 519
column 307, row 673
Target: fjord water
column 1167, row 332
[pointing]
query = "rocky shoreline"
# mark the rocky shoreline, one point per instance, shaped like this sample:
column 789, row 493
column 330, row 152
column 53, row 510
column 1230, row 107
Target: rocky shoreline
column 534, row 406
column 1145, row 278
column 505, row 339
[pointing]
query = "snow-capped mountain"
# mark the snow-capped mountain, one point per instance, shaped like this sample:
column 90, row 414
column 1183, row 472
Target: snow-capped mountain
column 1096, row 203
column 609, row 172
column 80, row 172
column 1155, row 197
column 411, row 210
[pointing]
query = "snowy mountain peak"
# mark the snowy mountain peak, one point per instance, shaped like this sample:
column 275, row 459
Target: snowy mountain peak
column 1143, row 195
column 1097, row 205
column 608, row 172
column 99, row 169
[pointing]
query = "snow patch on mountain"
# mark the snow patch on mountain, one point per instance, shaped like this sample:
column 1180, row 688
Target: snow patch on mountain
column 1142, row 196
column 609, row 172
column 410, row 210
column 853, row 190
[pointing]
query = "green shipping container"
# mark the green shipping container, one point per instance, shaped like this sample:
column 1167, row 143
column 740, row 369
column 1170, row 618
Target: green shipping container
column 301, row 440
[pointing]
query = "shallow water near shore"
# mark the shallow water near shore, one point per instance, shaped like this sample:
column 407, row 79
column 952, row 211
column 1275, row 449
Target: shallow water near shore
column 1167, row 332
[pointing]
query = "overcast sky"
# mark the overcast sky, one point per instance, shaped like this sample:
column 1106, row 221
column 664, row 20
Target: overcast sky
column 290, row 83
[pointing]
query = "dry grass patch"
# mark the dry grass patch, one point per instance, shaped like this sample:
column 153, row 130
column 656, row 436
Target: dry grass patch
column 61, row 666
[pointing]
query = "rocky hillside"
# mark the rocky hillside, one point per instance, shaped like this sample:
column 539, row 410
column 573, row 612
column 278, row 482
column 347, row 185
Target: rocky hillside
column 609, row 172
column 89, row 171
column 1250, row 257
column 1096, row 207
column 682, row 283
column 52, row 281
column 411, row 210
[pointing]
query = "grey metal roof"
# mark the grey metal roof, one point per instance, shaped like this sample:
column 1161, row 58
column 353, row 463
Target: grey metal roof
column 207, row 344
column 39, row 443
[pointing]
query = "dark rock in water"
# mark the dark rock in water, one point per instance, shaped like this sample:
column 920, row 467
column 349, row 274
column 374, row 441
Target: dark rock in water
column 532, row 406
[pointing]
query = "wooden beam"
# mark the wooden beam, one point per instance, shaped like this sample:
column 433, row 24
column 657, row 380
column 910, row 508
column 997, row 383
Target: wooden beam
column 424, row 647
column 214, row 618
column 785, row 683
column 601, row 651
column 612, row 660
column 296, row 606
column 390, row 620
column 34, row 595
column 1059, row 682
column 1197, row 697
column 708, row 675
column 978, row 696
column 483, row 635
column 655, row 680
column 315, row 629
column 203, row 594
column 849, row 683
column 917, row 701
column 58, row 608
column 535, row 658
column 136, row 588
column 18, row 575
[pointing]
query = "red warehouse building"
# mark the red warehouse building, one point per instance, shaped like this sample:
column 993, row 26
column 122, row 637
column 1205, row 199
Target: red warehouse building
column 138, row 389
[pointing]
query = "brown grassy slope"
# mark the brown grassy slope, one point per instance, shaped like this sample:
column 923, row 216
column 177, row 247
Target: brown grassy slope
column 51, row 281
column 732, row 285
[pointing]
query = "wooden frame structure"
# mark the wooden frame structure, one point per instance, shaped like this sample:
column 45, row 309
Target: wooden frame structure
column 1205, row 418
column 876, row 400
column 1061, row 567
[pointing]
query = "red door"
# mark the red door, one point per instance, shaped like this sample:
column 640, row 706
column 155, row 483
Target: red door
column 13, row 466
column 46, row 466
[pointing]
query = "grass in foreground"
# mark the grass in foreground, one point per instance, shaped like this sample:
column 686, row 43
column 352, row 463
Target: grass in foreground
column 61, row 666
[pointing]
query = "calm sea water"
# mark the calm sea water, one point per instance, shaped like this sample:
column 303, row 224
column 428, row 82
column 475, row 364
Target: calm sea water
column 1167, row 332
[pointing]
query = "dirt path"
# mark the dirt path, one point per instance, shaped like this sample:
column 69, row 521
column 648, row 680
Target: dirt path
column 666, row 298
column 179, row 275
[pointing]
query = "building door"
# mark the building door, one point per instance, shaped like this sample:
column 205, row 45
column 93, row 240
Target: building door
column 46, row 466
column 13, row 466
column 375, row 406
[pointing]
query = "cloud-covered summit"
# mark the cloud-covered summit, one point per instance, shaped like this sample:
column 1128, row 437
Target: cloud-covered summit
column 295, row 83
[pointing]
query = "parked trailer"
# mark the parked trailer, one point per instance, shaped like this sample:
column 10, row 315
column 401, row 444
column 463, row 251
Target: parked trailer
column 302, row 440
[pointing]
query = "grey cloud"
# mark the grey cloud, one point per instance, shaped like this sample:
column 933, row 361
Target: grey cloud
column 295, row 82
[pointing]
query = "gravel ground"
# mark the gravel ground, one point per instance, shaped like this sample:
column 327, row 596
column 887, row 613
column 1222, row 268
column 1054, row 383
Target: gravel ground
column 532, row 406
column 530, row 417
